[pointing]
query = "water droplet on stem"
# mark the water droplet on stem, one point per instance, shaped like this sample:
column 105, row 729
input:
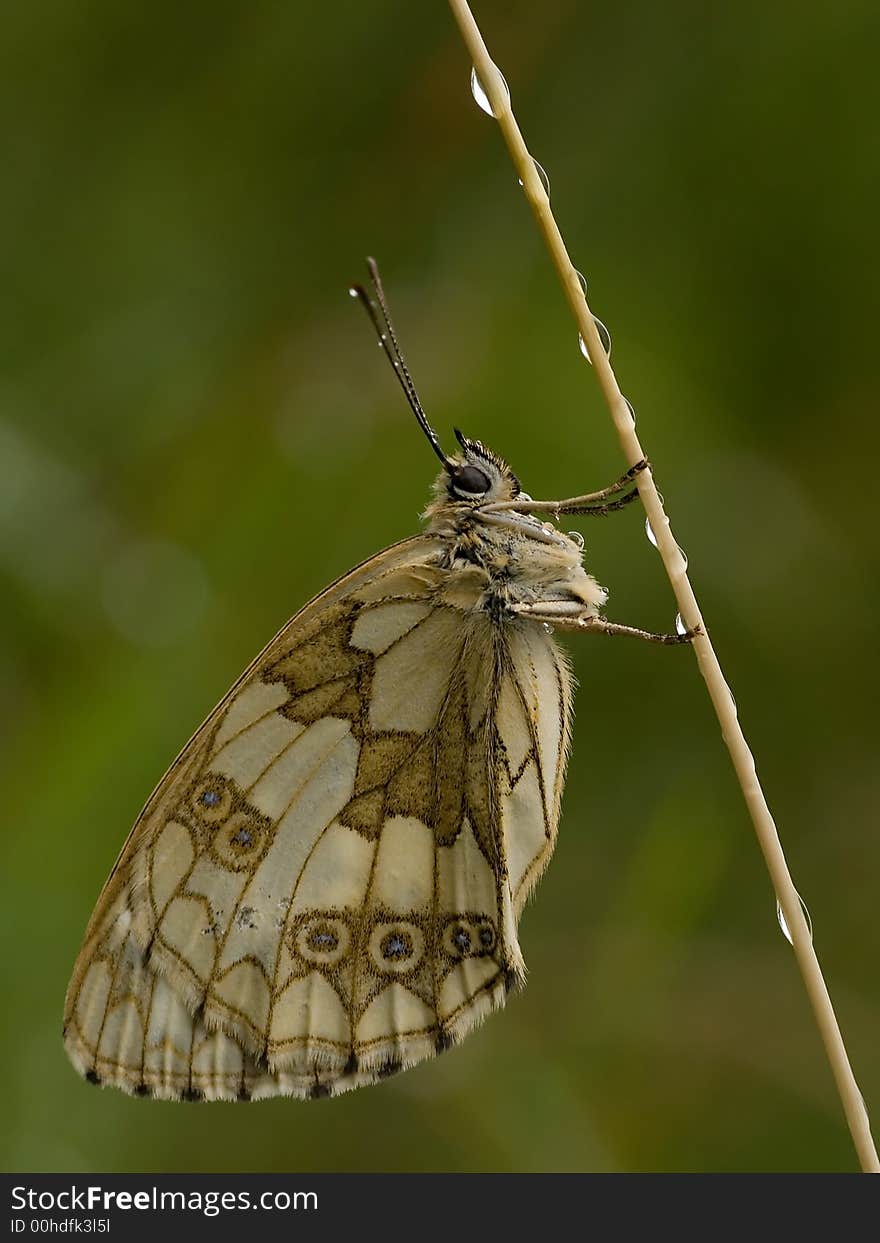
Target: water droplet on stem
column 780, row 918
column 544, row 179
column 479, row 93
column 604, row 337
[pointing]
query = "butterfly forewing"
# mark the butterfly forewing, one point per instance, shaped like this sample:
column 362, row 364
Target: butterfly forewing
column 325, row 886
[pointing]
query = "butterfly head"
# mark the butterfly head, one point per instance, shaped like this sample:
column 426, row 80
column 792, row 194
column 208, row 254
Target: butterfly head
column 476, row 475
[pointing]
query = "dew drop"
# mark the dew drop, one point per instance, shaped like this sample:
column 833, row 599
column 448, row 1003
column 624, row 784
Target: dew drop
column 582, row 281
column 479, row 94
column 545, row 182
column 548, row 629
column 632, row 413
column 649, row 531
column 680, row 627
column 865, row 1109
column 352, row 293
column 577, row 537
column 780, row 917
column 683, row 555
column 604, row 337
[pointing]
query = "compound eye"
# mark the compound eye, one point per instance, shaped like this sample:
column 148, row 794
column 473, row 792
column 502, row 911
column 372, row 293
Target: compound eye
column 470, row 481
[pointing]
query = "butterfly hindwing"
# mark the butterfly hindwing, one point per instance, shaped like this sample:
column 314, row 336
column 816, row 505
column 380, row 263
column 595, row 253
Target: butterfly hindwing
column 325, row 886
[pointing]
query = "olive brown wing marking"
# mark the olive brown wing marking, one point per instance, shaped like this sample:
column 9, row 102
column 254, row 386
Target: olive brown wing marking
column 534, row 728
column 175, row 898
column 324, row 887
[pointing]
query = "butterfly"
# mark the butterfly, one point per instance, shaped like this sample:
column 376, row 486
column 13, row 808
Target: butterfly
column 325, row 886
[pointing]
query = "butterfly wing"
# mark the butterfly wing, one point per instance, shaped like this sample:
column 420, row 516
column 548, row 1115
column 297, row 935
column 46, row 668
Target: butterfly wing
column 325, row 886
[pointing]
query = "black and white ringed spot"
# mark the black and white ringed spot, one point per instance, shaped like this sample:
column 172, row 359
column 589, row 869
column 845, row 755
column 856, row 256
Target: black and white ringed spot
column 211, row 800
column 240, row 841
column 465, row 937
column 485, row 937
column 323, row 940
column 458, row 938
column 396, row 947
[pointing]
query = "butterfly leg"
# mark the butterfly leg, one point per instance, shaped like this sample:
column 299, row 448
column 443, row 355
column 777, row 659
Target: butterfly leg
column 599, row 510
column 570, row 616
column 589, row 503
column 599, row 625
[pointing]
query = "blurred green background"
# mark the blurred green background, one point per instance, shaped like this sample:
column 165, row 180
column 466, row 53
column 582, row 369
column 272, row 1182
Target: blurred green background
column 197, row 432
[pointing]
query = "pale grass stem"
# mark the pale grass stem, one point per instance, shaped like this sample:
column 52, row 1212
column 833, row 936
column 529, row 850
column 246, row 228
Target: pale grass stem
column 498, row 97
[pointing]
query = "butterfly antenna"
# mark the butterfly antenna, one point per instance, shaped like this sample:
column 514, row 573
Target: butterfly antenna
column 381, row 321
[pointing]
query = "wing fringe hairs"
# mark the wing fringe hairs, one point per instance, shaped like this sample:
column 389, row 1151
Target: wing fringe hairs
column 325, row 887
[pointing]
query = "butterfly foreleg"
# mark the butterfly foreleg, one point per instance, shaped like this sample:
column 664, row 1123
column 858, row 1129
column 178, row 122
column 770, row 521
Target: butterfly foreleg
column 589, row 503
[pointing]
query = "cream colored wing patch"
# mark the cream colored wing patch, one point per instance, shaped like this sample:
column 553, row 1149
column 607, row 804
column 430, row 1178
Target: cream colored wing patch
column 534, row 729
column 324, row 888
